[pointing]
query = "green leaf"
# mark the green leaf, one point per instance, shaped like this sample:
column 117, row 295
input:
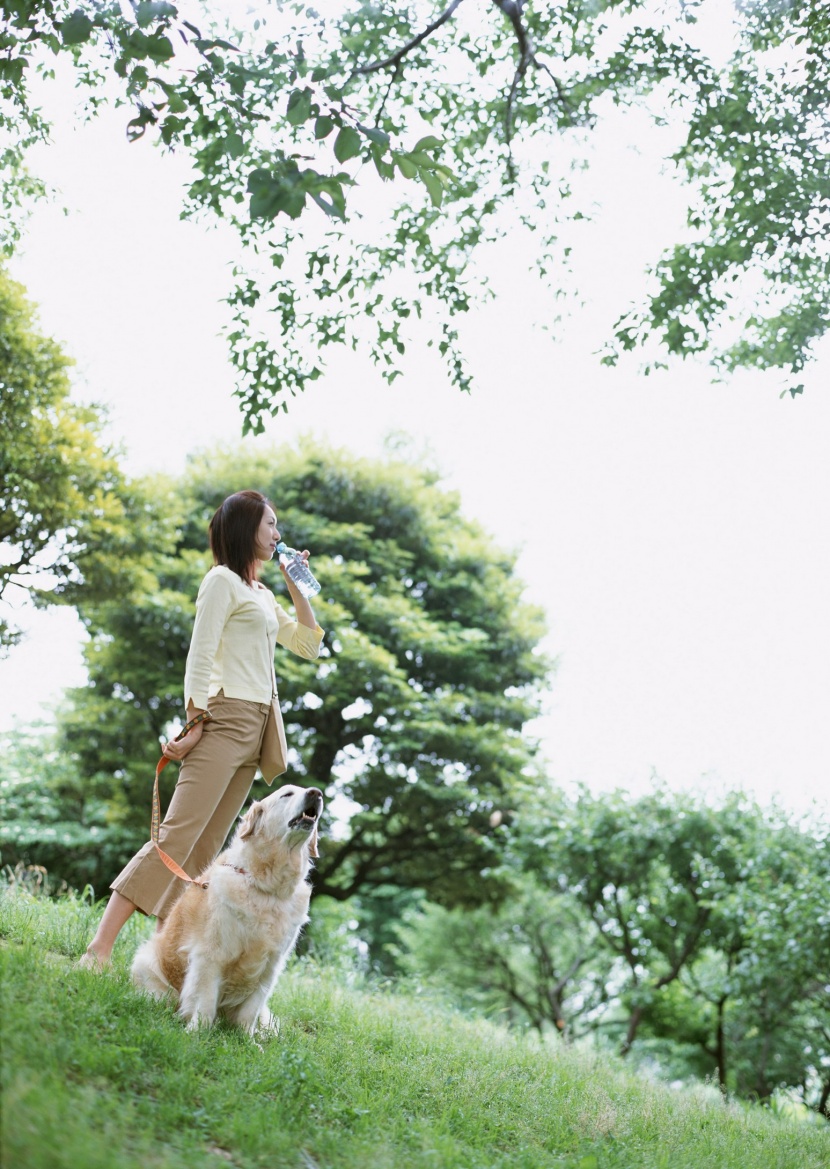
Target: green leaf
column 384, row 167
column 149, row 10
column 435, row 187
column 176, row 104
column 428, row 143
column 202, row 44
column 331, row 208
column 299, row 106
column 323, row 126
column 76, row 29
column 234, row 145
column 272, row 193
column 347, row 144
column 378, row 137
column 160, row 48
column 137, row 125
column 406, row 166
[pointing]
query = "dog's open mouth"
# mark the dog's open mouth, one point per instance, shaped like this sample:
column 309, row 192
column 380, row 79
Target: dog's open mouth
column 304, row 820
column 308, row 817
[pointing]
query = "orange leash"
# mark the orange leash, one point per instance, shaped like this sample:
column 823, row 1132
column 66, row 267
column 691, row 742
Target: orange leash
column 155, row 819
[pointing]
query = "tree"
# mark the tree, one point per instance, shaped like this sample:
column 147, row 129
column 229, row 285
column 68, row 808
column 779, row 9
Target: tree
column 759, row 994
column 65, row 502
column 474, row 105
column 532, row 961
column 716, row 917
column 49, row 817
column 649, row 872
column 412, row 719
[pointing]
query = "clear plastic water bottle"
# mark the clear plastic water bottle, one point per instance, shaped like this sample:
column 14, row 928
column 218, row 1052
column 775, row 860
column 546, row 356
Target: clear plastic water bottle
column 298, row 570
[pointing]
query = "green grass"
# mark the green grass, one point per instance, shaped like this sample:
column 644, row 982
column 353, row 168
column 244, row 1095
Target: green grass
column 96, row 1075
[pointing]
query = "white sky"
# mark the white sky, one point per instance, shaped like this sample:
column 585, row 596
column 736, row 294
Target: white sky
column 675, row 532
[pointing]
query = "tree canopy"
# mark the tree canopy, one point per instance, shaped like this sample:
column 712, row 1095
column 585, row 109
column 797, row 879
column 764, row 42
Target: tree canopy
column 468, row 116
column 65, row 502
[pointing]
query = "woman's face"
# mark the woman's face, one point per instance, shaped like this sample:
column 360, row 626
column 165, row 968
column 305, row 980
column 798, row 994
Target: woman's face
column 267, row 536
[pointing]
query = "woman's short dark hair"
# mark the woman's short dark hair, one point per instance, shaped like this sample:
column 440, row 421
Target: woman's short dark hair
column 233, row 531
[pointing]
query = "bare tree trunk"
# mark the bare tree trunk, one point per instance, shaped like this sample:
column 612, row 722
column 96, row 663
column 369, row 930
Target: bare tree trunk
column 634, row 1021
column 823, row 1108
column 720, row 1047
column 762, row 1086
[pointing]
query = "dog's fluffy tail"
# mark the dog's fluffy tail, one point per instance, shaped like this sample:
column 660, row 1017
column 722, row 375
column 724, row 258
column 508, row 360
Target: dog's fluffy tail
column 146, row 971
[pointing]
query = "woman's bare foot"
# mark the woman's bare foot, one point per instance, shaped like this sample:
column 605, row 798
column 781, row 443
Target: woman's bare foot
column 92, row 960
column 117, row 913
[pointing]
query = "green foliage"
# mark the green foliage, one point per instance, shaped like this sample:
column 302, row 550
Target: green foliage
column 717, row 920
column 649, row 872
column 49, row 817
column 759, row 993
column 697, row 937
column 96, row 1074
column 532, row 961
column 69, row 523
column 756, row 153
column 412, row 718
column 365, row 157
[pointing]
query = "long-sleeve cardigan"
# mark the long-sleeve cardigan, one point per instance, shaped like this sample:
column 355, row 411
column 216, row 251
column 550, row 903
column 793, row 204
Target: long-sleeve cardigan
column 234, row 639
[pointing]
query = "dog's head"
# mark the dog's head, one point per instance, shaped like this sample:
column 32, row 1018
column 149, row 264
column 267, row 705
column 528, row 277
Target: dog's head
column 290, row 815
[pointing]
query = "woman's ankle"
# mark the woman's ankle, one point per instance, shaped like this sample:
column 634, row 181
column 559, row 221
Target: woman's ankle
column 94, row 959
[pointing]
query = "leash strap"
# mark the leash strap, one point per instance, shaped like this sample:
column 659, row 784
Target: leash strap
column 155, row 818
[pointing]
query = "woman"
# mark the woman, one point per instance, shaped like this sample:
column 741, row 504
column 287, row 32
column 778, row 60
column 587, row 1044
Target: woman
column 229, row 681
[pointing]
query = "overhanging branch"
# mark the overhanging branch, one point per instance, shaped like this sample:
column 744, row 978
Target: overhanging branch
column 398, row 56
column 512, row 9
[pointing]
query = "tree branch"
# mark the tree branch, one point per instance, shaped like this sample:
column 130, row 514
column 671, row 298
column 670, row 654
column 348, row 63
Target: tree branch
column 510, row 987
column 512, row 9
column 398, row 56
column 680, row 960
column 392, row 79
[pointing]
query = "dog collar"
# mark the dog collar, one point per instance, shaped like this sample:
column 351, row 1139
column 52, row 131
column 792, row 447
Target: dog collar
column 236, row 868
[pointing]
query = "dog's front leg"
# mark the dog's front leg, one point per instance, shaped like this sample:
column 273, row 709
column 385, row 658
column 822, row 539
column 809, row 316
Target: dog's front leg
column 254, row 1013
column 268, row 1023
column 200, row 992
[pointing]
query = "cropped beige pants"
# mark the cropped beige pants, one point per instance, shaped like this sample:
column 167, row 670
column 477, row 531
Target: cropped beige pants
column 214, row 781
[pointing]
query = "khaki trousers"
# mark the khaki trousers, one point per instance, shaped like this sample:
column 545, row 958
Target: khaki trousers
column 214, row 781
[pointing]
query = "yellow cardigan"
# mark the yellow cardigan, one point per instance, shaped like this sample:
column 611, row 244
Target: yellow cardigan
column 234, row 639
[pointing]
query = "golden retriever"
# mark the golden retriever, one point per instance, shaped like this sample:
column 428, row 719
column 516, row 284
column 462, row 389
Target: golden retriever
column 222, row 948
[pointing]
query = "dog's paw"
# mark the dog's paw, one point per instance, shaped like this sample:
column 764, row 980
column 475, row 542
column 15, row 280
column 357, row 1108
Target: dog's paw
column 198, row 1022
column 268, row 1025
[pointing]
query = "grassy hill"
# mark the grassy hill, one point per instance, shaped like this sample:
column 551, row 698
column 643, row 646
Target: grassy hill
column 95, row 1076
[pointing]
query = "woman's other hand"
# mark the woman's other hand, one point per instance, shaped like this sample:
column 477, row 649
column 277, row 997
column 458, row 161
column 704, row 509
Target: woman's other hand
column 177, row 748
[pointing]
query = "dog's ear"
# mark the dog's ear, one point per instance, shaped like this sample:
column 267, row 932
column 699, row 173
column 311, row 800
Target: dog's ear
column 250, row 821
column 312, row 843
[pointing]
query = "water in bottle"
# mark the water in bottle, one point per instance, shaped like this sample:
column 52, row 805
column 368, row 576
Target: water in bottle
column 298, row 570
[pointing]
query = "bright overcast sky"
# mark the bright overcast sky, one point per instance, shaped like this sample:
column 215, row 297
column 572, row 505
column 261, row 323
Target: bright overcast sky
column 675, row 532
